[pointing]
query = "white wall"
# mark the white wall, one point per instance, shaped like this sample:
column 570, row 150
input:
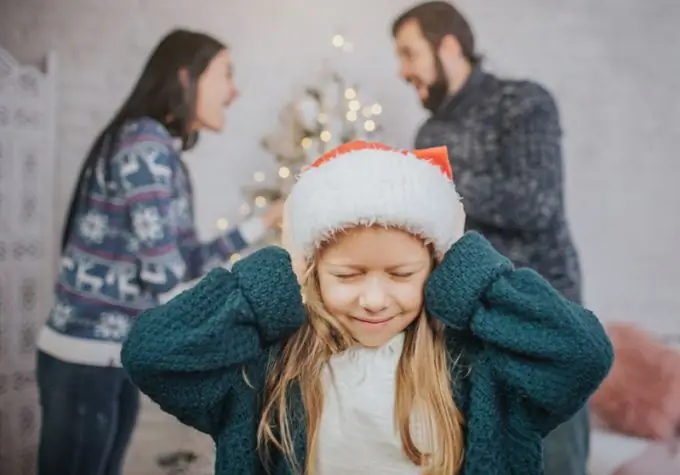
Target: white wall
column 614, row 66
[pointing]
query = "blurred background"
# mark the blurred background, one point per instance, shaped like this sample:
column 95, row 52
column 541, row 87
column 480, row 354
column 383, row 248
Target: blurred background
column 614, row 67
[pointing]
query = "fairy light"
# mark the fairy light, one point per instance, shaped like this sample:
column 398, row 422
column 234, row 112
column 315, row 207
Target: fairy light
column 323, row 125
column 338, row 41
column 325, row 136
column 235, row 257
column 222, row 224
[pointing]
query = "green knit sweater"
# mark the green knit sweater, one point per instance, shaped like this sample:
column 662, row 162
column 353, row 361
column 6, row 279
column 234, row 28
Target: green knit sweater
column 531, row 358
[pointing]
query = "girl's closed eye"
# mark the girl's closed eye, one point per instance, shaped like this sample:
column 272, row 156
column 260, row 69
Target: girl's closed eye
column 347, row 275
column 402, row 275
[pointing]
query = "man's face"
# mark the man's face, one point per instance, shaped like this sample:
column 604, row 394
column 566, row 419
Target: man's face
column 420, row 66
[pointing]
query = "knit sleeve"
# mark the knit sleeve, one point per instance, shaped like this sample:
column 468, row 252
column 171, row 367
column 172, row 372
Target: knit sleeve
column 201, row 257
column 188, row 354
column 525, row 191
column 549, row 353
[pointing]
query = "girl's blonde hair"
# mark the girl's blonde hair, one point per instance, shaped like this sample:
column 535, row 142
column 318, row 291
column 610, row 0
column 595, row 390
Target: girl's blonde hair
column 424, row 388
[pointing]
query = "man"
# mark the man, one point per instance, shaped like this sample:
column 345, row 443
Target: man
column 504, row 140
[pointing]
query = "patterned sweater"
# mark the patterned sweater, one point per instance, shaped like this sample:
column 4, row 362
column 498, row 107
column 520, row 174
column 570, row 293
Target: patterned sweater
column 504, row 145
column 529, row 357
column 133, row 239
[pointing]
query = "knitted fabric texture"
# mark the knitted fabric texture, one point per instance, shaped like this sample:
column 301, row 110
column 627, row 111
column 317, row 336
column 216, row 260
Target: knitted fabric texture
column 133, row 239
column 504, row 143
column 529, row 358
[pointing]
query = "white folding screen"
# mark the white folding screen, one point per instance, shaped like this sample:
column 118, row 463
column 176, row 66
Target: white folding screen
column 27, row 244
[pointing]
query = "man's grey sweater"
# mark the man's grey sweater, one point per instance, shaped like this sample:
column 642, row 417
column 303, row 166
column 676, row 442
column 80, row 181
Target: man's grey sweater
column 504, row 142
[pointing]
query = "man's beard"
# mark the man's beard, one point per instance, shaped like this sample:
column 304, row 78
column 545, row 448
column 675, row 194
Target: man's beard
column 438, row 90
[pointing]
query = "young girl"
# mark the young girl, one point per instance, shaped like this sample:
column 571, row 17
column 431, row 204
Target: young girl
column 129, row 237
column 413, row 348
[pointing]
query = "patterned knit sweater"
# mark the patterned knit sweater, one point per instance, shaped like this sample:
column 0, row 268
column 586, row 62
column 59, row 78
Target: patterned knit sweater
column 504, row 141
column 133, row 239
column 530, row 358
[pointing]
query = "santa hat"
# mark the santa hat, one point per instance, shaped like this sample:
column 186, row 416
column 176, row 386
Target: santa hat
column 362, row 183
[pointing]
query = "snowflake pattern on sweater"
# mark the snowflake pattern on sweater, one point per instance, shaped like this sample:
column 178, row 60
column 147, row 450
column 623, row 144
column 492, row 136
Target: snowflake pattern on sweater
column 133, row 239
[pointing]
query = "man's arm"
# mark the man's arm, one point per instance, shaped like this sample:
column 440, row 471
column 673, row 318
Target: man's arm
column 525, row 192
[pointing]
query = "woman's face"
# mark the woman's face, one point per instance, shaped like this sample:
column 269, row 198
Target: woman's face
column 215, row 90
column 372, row 280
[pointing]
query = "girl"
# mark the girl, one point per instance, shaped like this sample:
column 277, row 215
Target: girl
column 129, row 236
column 413, row 348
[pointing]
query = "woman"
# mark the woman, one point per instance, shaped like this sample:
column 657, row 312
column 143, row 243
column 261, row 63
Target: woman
column 129, row 237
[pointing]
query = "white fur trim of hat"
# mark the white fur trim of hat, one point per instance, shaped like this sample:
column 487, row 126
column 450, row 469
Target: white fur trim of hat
column 363, row 183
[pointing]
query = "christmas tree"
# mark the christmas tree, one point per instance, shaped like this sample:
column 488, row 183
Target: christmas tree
column 325, row 115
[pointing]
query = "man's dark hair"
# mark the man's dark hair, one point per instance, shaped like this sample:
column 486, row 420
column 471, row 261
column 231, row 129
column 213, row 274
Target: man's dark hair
column 438, row 19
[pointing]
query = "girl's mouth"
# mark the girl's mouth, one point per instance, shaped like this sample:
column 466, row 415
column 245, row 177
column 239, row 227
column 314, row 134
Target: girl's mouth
column 373, row 322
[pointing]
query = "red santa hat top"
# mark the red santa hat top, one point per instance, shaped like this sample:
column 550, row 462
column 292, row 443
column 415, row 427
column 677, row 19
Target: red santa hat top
column 362, row 184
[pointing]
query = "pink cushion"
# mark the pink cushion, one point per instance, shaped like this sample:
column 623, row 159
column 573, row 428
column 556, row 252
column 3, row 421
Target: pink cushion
column 641, row 394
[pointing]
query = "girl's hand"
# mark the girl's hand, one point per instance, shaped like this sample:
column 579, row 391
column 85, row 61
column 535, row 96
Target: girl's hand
column 297, row 260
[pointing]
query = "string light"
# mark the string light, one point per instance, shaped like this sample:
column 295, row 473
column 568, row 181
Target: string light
column 235, row 257
column 338, row 41
column 222, row 224
column 325, row 121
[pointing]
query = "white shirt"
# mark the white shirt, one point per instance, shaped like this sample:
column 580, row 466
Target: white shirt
column 357, row 434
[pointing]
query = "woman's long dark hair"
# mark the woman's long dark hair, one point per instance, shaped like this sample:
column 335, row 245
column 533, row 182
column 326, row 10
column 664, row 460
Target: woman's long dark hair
column 158, row 94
